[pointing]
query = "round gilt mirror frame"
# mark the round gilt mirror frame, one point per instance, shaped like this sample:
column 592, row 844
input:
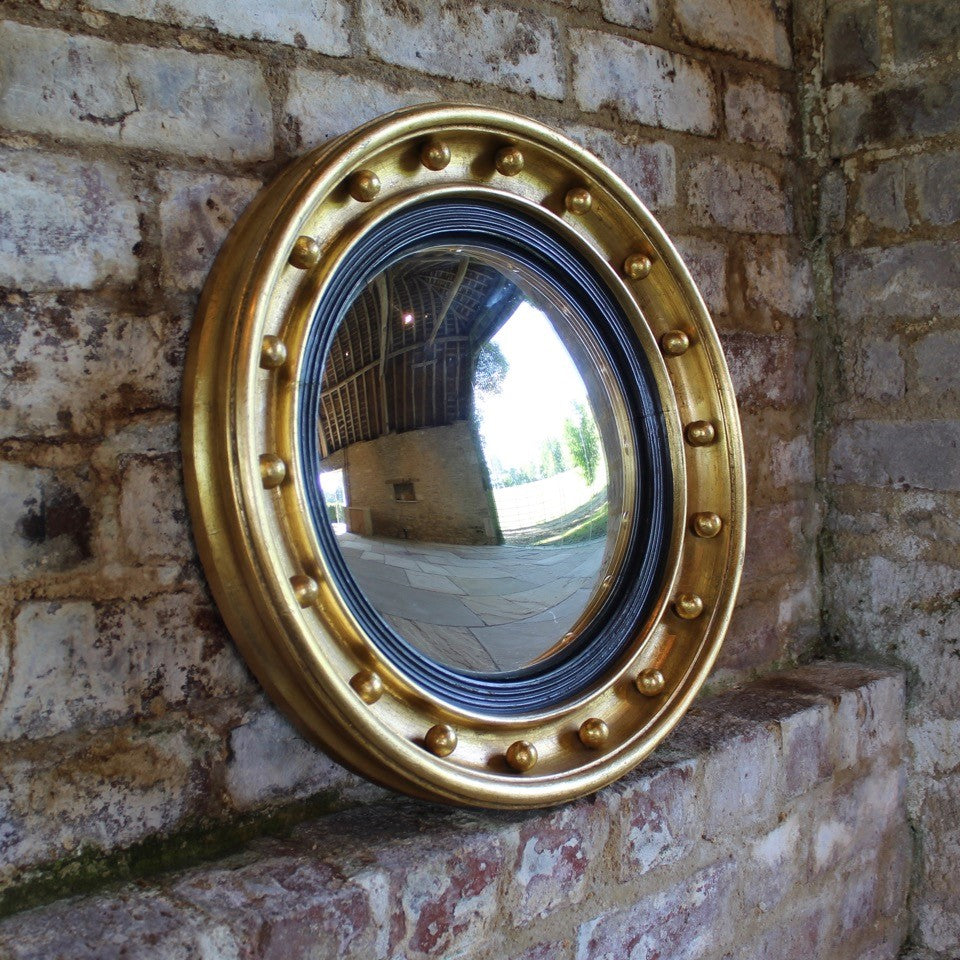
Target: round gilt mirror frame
column 246, row 470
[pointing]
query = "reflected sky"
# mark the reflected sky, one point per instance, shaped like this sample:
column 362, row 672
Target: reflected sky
column 540, row 390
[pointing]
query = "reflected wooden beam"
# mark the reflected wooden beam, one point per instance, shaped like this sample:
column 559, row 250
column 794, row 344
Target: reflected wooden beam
column 448, row 300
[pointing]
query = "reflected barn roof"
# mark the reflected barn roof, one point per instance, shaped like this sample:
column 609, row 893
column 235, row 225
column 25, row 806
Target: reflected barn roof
column 402, row 359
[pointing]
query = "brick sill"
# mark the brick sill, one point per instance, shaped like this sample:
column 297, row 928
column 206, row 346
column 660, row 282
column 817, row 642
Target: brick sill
column 771, row 824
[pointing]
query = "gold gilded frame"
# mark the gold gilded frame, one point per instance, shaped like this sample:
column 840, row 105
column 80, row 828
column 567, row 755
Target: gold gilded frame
column 262, row 557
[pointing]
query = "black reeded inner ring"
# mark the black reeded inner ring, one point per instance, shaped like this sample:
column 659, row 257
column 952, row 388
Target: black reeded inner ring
column 636, row 582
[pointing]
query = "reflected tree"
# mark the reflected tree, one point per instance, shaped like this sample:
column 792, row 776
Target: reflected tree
column 583, row 442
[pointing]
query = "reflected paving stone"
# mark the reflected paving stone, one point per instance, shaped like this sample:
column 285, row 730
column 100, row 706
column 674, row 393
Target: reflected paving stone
column 532, row 595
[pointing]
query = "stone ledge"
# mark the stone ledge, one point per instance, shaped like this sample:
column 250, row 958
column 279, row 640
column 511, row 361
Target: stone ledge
column 776, row 806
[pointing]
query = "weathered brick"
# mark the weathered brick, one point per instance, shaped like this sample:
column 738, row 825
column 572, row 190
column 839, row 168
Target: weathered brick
column 925, row 27
column 707, row 262
column 875, row 368
column 450, row 901
column 858, row 819
column 742, row 196
column 911, row 281
column 71, row 370
column 641, row 14
column 153, row 510
column 77, row 664
column 937, row 184
column 608, row 72
column 791, row 461
column 67, row 795
column 753, row 28
column 757, row 114
column 271, row 762
column 741, row 783
column 779, row 279
column 754, row 637
column 914, row 453
column 126, row 925
column 317, row 25
column 321, row 104
column 779, row 538
column 903, row 610
column 793, row 938
column 775, row 866
column 59, row 679
column 657, row 809
column 860, row 118
column 92, row 91
column 649, row 168
column 287, row 906
column 518, row 50
column 558, row 863
column 57, row 227
column 47, row 520
column 851, row 41
column 938, row 362
column 805, row 744
column 882, row 198
column 546, row 950
column 196, row 213
column 683, row 922
column 767, row 371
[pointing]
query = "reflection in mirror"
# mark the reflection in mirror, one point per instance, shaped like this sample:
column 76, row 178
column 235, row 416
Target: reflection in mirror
column 470, row 459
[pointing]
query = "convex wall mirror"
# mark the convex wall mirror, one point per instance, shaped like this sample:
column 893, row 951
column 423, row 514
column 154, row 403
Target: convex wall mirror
column 463, row 459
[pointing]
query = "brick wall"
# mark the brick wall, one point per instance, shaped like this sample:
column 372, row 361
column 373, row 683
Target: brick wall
column 806, row 163
column 132, row 133
column 769, row 827
column 444, row 466
column 884, row 141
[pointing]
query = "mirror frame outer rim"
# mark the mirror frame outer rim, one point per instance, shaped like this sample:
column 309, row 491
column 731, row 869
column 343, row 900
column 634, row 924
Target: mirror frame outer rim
column 306, row 669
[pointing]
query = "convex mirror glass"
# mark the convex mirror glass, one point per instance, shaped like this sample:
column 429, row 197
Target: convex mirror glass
column 470, row 459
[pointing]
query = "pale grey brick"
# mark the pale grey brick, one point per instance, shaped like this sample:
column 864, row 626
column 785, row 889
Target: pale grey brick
column 518, row 50
column 877, row 368
column 913, row 280
column 127, row 785
column 153, row 513
column 271, row 762
column 923, row 28
column 851, row 40
column 642, row 83
column 129, row 924
column 757, row 114
column 57, row 229
column 882, row 198
column 938, row 362
column 92, row 91
column 196, row 213
column 641, row 14
column 753, row 28
column 59, row 679
column 860, row 118
column 45, row 521
column 315, row 24
column 649, row 168
column 322, row 104
column 779, row 278
column 917, row 453
column 740, row 195
column 707, row 262
column 937, row 183
column 71, row 370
